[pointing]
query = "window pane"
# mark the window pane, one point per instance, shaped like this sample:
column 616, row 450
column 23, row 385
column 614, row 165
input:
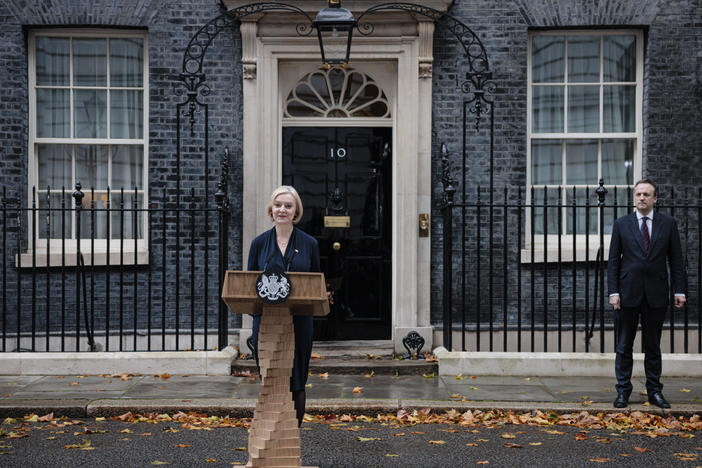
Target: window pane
column 583, row 108
column 546, row 162
column 126, row 62
column 586, row 207
column 93, row 218
column 547, row 64
column 90, row 62
column 127, row 167
column 54, row 167
column 126, row 114
column 123, row 216
column 583, row 59
column 551, row 210
column 53, row 61
column 619, row 58
column 547, row 106
column 90, row 113
column 581, row 162
column 619, row 108
column 91, row 166
column 618, row 162
column 53, row 113
column 55, row 222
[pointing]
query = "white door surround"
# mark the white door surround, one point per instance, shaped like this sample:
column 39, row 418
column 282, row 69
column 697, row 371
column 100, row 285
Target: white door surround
column 404, row 44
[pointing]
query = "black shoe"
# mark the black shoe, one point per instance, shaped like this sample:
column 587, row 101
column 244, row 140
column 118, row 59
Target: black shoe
column 622, row 401
column 658, row 400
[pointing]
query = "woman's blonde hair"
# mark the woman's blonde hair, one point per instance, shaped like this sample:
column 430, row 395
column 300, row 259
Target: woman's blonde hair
column 298, row 203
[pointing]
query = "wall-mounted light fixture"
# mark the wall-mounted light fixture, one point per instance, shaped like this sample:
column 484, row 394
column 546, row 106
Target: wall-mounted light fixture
column 334, row 27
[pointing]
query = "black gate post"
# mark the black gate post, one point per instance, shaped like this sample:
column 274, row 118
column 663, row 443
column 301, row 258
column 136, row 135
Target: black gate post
column 601, row 192
column 223, row 227
column 447, row 213
column 78, row 196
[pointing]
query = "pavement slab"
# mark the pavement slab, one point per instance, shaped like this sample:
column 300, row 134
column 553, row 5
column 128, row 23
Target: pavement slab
column 104, row 395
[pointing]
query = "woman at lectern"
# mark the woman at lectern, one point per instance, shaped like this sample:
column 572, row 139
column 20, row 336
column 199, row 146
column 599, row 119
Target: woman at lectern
column 290, row 249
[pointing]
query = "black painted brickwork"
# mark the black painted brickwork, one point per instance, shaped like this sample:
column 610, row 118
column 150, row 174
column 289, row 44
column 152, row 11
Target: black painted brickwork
column 672, row 94
column 672, row 142
column 170, row 26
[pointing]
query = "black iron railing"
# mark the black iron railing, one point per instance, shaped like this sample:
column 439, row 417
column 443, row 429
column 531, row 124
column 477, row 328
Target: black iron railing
column 88, row 270
column 528, row 273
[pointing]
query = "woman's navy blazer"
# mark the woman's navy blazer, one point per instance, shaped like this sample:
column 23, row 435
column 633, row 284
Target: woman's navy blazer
column 264, row 252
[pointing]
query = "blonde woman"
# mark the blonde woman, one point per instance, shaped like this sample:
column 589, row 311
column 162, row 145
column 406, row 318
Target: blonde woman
column 287, row 247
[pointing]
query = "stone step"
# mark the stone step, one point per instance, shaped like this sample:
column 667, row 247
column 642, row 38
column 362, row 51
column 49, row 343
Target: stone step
column 353, row 367
column 353, row 358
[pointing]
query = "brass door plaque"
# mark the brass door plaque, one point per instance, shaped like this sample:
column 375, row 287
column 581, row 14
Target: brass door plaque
column 337, row 221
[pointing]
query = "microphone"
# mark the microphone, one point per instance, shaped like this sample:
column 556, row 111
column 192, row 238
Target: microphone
column 291, row 259
column 265, row 265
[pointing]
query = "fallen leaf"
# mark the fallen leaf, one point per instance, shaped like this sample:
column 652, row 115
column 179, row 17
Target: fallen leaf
column 100, row 418
column 46, row 417
column 587, row 403
column 641, row 449
column 428, row 376
column 686, row 390
column 512, row 445
column 624, row 454
column 165, row 376
column 528, row 379
column 456, row 395
column 240, row 449
column 157, row 462
column 86, row 445
column 391, row 455
column 601, row 460
column 553, row 431
column 366, row 439
column 358, row 390
column 507, row 435
column 604, row 440
column 399, row 434
column 482, row 440
column 126, row 431
column 580, row 436
column 368, row 376
column 471, row 444
column 316, row 356
column 324, row 376
column 210, row 460
column 460, row 377
column 483, row 462
column 437, row 442
column 534, row 443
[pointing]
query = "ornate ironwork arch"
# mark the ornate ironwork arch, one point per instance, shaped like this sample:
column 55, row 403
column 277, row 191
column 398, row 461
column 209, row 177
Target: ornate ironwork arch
column 478, row 88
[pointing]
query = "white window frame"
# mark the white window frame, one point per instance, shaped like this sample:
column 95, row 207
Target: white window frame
column 56, row 251
column 545, row 248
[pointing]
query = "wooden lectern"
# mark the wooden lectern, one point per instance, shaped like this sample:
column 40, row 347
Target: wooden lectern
column 274, row 438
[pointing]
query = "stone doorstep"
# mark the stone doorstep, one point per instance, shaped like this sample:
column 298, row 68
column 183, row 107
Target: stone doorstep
column 350, row 366
column 88, row 363
column 556, row 364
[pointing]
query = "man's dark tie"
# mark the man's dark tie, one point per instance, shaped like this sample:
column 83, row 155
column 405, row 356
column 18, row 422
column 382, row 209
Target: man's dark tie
column 645, row 238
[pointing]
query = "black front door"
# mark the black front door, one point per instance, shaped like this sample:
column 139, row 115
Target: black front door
column 344, row 177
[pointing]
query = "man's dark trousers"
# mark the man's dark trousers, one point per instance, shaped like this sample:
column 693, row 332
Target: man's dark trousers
column 626, row 321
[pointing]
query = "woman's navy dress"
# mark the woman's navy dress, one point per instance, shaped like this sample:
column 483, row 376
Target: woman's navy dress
column 264, row 248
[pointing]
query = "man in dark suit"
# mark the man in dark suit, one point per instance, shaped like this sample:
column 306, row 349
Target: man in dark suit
column 643, row 244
